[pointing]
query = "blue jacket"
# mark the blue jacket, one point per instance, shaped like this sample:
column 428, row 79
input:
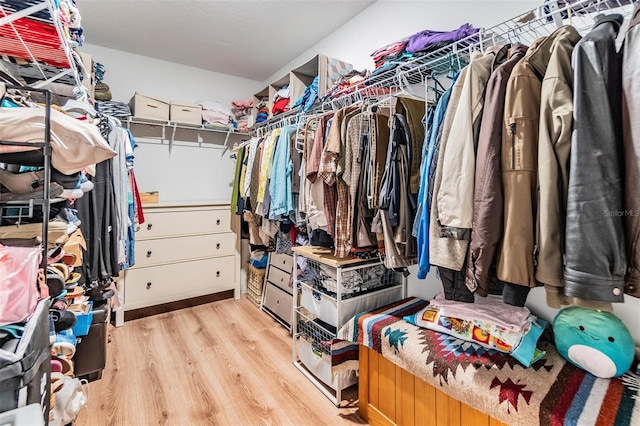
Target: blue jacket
column 423, row 194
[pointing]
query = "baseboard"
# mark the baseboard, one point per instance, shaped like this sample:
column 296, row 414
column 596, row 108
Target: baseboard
column 178, row 304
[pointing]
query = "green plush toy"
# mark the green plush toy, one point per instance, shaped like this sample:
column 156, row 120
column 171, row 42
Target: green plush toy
column 595, row 341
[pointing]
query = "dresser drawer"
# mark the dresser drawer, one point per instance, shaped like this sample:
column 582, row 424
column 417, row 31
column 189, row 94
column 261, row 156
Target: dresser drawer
column 282, row 261
column 280, row 278
column 166, row 283
column 159, row 224
column 171, row 250
column 278, row 302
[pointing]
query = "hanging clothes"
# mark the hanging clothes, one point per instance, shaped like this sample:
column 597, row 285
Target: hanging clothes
column 596, row 261
column 331, row 169
column 519, row 152
column 280, row 180
column 397, row 206
column 253, row 148
column 442, row 249
column 316, row 203
column 455, row 196
column 487, row 199
column 237, row 206
column 414, row 111
column 554, row 146
column 424, row 201
column 631, row 134
column 119, row 142
column 379, row 147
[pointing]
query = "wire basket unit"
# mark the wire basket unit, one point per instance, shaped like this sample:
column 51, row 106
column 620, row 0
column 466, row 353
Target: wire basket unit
column 317, row 332
column 353, row 281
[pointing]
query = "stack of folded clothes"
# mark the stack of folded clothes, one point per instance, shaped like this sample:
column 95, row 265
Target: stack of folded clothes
column 281, row 101
column 242, row 110
column 263, row 112
column 394, row 54
column 216, row 115
column 346, row 84
column 309, row 97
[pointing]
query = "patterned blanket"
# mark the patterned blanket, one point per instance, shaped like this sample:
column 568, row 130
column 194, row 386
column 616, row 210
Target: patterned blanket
column 550, row 392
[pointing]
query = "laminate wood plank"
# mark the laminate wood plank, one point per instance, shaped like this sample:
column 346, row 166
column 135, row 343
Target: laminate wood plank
column 387, row 390
column 223, row 363
column 425, row 403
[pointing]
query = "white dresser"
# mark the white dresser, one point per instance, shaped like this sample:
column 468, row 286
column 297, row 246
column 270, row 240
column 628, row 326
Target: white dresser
column 182, row 251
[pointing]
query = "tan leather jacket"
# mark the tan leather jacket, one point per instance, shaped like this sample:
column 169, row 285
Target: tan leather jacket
column 519, row 165
column 554, row 146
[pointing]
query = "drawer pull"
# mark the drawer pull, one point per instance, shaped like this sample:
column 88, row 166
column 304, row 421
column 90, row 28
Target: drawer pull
column 218, row 246
column 218, row 222
column 137, row 228
column 148, row 286
column 217, row 273
column 149, row 253
column 149, row 226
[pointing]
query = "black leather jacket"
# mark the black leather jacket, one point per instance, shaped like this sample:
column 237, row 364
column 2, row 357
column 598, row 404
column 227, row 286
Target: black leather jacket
column 596, row 262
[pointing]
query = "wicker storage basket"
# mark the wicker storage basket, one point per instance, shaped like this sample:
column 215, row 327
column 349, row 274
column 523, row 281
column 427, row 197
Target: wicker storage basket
column 255, row 280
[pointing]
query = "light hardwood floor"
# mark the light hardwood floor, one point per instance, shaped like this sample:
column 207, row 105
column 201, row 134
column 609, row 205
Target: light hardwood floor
column 224, row 363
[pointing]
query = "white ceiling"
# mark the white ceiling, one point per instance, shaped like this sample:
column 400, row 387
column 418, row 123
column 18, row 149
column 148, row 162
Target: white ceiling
column 245, row 38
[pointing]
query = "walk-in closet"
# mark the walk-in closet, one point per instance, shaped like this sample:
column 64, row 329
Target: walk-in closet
column 320, row 212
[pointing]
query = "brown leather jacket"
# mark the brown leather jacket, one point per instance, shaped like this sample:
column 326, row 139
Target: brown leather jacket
column 631, row 134
column 487, row 201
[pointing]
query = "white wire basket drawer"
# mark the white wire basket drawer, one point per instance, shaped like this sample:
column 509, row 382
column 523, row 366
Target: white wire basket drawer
column 317, row 332
column 354, row 281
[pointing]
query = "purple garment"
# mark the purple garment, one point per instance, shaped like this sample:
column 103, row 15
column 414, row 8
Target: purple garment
column 424, row 39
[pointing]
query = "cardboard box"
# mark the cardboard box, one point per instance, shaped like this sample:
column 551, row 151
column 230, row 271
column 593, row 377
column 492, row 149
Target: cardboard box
column 149, row 107
column 149, row 197
column 89, row 79
column 185, row 113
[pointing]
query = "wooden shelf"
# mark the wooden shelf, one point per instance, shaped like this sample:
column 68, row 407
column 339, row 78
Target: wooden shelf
column 323, row 255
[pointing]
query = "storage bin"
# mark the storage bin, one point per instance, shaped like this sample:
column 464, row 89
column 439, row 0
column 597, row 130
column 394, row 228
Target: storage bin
column 319, row 364
column 353, row 280
column 325, row 306
column 255, row 280
column 25, row 373
column 91, row 350
column 185, row 113
column 149, row 107
column 83, row 322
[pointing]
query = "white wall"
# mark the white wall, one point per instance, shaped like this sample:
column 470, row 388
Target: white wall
column 386, row 21
column 389, row 20
column 126, row 73
column 190, row 173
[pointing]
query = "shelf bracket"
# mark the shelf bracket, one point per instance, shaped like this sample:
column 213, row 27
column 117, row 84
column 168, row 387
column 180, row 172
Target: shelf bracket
column 43, row 83
column 173, row 138
column 23, row 13
column 225, row 148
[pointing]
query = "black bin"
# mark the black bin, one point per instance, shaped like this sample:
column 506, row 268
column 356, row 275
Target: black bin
column 25, row 373
column 91, row 350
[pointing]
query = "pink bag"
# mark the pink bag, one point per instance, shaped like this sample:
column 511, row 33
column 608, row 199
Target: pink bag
column 18, row 283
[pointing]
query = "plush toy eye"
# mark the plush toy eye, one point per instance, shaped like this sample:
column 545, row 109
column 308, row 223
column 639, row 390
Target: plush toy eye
column 581, row 328
column 611, row 339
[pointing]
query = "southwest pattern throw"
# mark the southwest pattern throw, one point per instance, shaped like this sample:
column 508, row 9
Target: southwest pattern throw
column 550, row 392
